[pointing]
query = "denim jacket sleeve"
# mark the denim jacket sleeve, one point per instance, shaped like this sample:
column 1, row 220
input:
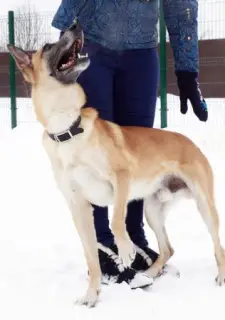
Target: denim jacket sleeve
column 181, row 21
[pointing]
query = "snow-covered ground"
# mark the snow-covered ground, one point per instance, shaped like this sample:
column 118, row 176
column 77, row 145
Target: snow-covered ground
column 42, row 267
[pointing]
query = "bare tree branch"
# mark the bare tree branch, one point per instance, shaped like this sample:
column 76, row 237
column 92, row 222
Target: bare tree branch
column 29, row 27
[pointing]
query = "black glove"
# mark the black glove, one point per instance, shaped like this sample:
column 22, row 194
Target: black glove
column 189, row 90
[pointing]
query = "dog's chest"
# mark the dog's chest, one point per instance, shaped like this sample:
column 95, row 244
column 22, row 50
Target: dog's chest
column 89, row 171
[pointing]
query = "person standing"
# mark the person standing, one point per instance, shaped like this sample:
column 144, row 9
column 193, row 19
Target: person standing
column 122, row 84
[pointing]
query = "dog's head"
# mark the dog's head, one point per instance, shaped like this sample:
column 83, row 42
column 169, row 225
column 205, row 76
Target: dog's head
column 62, row 60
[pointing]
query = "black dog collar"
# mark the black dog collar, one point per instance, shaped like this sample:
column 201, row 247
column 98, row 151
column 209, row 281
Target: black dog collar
column 68, row 134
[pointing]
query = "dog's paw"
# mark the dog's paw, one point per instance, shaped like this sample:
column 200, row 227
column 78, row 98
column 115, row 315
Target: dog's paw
column 127, row 252
column 156, row 271
column 169, row 269
column 89, row 299
column 220, row 279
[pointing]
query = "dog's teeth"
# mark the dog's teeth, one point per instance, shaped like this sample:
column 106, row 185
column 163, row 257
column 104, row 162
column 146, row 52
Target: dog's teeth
column 80, row 56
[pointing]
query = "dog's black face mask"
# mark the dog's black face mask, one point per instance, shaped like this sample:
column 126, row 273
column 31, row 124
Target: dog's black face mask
column 65, row 58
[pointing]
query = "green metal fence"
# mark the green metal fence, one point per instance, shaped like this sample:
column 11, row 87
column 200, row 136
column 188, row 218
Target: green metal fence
column 34, row 30
column 12, row 71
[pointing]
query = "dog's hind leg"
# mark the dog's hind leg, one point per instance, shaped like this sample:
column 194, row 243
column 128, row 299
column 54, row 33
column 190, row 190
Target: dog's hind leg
column 203, row 192
column 209, row 214
column 155, row 216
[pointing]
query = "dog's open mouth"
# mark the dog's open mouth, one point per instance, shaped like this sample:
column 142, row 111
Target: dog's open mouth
column 71, row 57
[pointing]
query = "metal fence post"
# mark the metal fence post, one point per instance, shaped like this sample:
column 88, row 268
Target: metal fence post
column 12, row 71
column 163, row 69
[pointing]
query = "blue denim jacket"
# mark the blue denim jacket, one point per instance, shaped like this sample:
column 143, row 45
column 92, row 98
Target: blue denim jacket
column 132, row 24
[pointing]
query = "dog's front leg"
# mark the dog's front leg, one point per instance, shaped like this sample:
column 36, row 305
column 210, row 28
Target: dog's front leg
column 123, row 241
column 82, row 213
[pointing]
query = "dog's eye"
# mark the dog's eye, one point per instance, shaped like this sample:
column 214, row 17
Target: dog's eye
column 47, row 47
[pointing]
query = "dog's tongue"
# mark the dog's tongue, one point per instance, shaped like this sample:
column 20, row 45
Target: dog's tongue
column 68, row 64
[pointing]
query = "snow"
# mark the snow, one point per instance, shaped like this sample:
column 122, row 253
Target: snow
column 42, row 267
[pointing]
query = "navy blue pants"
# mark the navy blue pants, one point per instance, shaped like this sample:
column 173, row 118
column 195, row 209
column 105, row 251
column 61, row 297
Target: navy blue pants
column 122, row 86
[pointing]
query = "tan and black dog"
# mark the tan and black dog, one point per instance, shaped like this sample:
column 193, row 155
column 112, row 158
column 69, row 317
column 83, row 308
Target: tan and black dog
column 98, row 162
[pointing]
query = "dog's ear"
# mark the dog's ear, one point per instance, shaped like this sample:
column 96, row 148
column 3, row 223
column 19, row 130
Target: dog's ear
column 22, row 58
column 23, row 61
